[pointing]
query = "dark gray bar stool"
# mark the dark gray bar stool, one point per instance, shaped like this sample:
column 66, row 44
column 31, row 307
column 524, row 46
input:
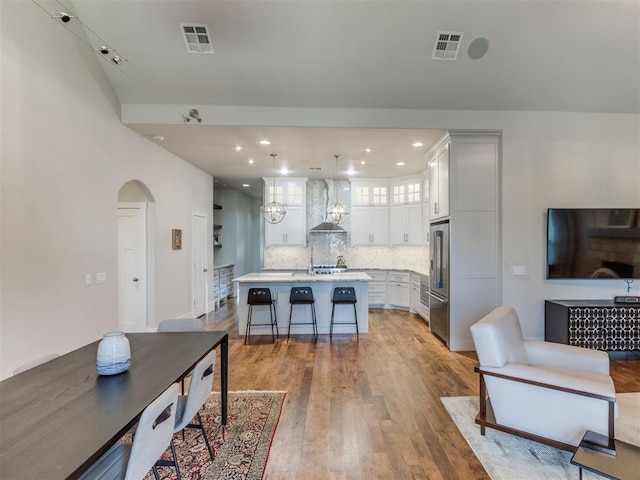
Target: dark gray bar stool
column 261, row 297
column 344, row 296
column 303, row 296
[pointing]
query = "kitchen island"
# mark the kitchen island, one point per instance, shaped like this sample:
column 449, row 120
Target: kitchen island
column 281, row 283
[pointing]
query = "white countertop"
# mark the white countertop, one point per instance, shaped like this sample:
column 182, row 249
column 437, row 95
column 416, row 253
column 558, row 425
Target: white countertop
column 300, row 276
column 351, row 269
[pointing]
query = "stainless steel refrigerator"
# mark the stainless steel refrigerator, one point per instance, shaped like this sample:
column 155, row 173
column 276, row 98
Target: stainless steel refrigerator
column 439, row 281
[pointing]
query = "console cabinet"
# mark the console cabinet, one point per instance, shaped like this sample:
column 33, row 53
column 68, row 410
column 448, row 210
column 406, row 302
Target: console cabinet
column 597, row 324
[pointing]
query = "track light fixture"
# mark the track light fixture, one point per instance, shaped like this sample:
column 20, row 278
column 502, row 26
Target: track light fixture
column 193, row 113
column 64, row 17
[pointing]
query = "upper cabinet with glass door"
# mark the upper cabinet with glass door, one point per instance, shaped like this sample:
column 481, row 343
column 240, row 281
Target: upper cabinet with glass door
column 405, row 191
column 288, row 191
column 370, row 193
column 406, row 211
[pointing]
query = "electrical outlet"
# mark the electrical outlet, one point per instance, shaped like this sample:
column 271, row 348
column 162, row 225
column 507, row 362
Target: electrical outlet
column 87, row 280
column 101, row 278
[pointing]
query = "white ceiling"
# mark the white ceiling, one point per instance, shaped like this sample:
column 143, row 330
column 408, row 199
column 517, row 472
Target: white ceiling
column 579, row 56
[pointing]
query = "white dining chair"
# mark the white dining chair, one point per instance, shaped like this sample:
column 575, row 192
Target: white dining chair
column 133, row 460
column 199, row 390
column 34, row 363
column 180, row 325
column 173, row 325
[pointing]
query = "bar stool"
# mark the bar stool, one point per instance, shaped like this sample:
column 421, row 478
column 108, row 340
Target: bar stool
column 303, row 296
column 257, row 297
column 344, row 296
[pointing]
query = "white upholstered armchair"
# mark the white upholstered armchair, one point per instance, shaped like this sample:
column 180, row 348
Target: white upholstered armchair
column 547, row 392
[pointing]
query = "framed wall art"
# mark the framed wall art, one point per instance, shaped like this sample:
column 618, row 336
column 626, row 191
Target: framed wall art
column 176, row 239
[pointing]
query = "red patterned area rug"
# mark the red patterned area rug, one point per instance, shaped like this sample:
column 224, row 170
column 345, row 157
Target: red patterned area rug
column 240, row 450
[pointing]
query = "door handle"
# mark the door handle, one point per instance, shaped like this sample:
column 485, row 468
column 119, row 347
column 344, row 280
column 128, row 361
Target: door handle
column 135, row 279
column 206, row 270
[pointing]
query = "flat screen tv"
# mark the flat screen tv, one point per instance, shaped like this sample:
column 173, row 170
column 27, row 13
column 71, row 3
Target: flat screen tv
column 593, row 243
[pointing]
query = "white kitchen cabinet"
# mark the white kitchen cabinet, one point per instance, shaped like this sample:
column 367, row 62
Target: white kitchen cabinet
column 439, row 183
column 369, row 226
column 406, row 190
column 222, row 284
column 370, row 193
column 377, row 293
column 288, row 191
column 292, row 230
column 399, row 290
column 406, row 224
column 406, row 211
column 416, row 305
column 369, row 212
column 473, row 211
column 425, row 207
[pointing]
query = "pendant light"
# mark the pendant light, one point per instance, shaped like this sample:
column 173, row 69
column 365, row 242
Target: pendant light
column 273, row 212
column 336, row 211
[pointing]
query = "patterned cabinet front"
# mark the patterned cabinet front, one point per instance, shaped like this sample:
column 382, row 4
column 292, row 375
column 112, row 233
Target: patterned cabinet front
column 596, row 324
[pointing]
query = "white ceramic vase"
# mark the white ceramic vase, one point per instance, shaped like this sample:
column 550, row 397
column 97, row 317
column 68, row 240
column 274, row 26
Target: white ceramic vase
column 114, row 354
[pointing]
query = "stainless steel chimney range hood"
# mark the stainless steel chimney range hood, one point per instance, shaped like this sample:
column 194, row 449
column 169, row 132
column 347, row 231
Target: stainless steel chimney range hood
column 327, row 227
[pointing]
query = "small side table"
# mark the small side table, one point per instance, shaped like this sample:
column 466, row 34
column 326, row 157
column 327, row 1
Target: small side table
column 624, row 465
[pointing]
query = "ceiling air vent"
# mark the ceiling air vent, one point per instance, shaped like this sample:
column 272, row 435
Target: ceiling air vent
column 196, row 36
column 315, row 169
column 447, row 46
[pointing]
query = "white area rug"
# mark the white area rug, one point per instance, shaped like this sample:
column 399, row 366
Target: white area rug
column 507, row 457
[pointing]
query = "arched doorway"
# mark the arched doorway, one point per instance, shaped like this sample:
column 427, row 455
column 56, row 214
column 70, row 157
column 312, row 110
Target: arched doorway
column 136, row 258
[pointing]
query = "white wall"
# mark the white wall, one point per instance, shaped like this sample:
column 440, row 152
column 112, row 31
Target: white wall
column 65, row 155
column 561, row 160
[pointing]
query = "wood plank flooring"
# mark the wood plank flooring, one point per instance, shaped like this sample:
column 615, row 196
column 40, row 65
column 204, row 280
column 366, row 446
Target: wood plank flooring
column 368, row 410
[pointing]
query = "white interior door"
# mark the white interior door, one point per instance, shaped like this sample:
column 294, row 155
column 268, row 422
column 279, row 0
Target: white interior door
column 199, row 263
column 132, row 267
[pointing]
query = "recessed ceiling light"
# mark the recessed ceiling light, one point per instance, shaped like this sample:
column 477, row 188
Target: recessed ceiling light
column 418, row 144
column 284, row 171
column 362, row 162
column 238, row 148
column 400, row 164
column 251, row 161
column 157, row 138
column 368, row 150
column 246, row 185
column 350, row 172
column 264, row 141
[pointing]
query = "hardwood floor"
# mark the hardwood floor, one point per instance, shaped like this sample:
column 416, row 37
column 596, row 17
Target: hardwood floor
column 368, row 410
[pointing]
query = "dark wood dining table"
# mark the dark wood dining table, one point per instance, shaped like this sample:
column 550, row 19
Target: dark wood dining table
column 58, row 418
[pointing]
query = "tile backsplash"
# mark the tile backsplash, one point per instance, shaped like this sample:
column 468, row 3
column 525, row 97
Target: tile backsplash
column 326, row 247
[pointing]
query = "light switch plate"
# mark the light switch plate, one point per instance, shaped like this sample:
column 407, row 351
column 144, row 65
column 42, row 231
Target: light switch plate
column 519, row 270
column 87, row 280
column 101, row 278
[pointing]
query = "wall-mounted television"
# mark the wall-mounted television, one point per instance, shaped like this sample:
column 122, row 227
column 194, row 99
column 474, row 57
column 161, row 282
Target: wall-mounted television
column 593, row 243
